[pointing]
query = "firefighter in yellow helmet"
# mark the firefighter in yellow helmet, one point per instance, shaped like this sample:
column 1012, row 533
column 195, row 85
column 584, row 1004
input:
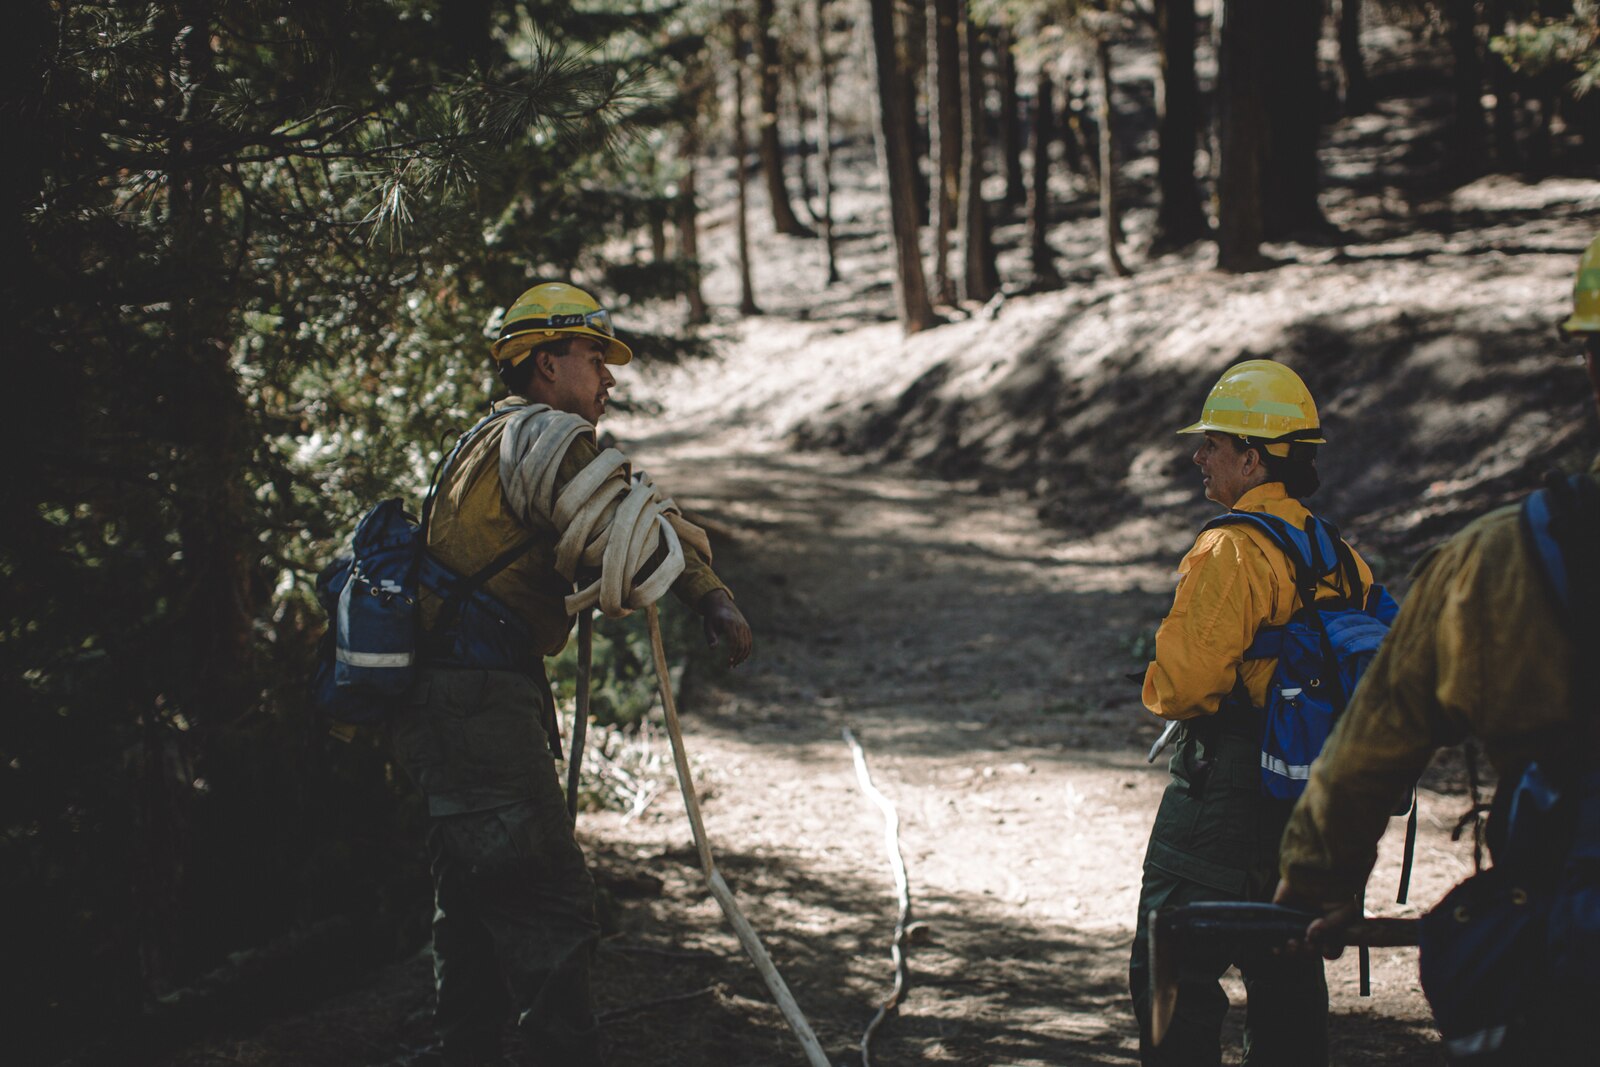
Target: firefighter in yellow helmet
column 1482, row 648
column 1584, row 321
column 1215, row 836
column 514, row 923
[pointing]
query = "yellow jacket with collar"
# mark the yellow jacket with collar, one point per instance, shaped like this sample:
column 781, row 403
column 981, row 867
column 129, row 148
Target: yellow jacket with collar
column 1231, row 583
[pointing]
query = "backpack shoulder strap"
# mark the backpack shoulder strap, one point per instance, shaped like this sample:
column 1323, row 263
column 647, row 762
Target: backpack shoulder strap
column 1299, row 546
column 1562, row 521
column 1345, row 562
column 1296, row 547
column 455, row 588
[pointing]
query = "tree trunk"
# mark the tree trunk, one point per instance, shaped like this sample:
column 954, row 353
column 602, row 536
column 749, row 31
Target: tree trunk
column 741, row 154
column 913, row 33
column 1355, row 89
column 944, row 92
column 656, row 214
column 211, row 607
column 895, row 153
column 1467, row 127
column 979, row 278
column 1073, row 148
column 1242, row 128
column 1180, row 220
column 1541, row 144
column 825, row 138
column 688, row 221
column 801, row 122
column 22, row 87
column 783, row 217
column 1292, row 95
column 1110, row 210
column 1085, row 132
column 1501, row 79
column 1040, row 258
column 1010, row 118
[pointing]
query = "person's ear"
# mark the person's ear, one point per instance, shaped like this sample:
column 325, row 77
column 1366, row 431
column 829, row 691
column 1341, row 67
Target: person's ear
column 545, row 364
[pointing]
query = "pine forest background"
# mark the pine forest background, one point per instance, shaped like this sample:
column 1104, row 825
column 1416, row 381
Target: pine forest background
column 254, row 252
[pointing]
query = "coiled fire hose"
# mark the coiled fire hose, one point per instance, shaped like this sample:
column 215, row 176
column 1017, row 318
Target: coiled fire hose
column 609, row 521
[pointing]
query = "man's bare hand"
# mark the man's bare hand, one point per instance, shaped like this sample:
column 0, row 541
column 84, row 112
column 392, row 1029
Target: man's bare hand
column 1324, row 934
column 725, row 626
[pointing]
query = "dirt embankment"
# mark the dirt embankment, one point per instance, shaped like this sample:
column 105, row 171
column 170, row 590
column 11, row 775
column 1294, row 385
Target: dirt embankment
column 1440, row 380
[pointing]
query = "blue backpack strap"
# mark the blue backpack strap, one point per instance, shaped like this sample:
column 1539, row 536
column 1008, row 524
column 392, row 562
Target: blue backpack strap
column 1295, row 544
column 1562, row 521
column 1306, row 551
column 1542, row 514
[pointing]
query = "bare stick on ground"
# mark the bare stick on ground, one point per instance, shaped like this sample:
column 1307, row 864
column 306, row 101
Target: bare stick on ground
column 902, row 888
column 719, row 888
column 646, row 1005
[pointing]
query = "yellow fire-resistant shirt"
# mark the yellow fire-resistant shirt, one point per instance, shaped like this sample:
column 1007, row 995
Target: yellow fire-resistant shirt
column 1234, row 581
column 1476, row 649
column 473, row 522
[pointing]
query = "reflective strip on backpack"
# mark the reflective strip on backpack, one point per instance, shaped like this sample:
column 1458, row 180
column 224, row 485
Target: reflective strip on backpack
column 1477, row 1044
column 373, row 659
column 1295, row 772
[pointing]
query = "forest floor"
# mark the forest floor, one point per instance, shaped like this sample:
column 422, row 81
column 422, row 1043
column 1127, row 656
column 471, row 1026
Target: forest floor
column 958, row 547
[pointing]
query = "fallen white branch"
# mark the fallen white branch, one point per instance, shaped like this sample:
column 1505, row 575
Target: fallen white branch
column 902, row 887
column 634, row 1009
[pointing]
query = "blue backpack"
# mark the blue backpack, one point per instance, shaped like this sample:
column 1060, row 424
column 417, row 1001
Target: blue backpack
column 369, row 655
column 1322, row 651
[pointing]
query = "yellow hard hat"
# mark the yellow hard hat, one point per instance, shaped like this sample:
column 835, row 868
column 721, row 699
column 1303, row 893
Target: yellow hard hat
column 550, row 310
column 1262, row 399
column 1586, row 293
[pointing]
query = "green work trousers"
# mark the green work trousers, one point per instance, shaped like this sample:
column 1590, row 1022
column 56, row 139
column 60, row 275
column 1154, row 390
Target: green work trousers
column 514, row 926
column 1216, row 837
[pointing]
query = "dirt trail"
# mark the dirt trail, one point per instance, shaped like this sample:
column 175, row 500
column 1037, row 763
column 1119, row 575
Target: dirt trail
column 981, row 659
column 980, row 656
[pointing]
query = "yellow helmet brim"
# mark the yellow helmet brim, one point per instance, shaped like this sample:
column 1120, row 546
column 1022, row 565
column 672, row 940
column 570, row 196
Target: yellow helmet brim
column 1206, row 426
column 515, row 349
column 1581, row 324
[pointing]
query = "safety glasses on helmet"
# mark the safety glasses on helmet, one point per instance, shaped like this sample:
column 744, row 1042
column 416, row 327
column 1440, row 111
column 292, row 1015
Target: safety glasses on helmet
column 598, row 320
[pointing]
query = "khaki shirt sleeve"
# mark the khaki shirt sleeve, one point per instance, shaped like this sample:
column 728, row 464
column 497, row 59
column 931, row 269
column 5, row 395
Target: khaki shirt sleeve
column 1223, row 593
column 1405, row 708
column 697, row 579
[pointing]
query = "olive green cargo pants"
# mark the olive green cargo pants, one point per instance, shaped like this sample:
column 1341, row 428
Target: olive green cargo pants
column 514, row 925
column 1215, row 837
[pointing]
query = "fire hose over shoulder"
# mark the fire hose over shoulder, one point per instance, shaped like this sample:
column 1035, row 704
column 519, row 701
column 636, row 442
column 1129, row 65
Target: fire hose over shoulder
column 609, row 519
